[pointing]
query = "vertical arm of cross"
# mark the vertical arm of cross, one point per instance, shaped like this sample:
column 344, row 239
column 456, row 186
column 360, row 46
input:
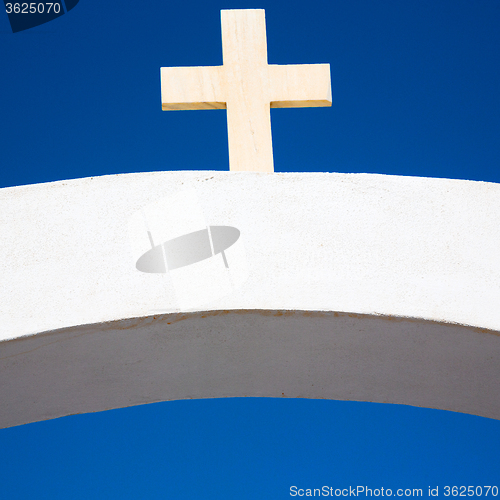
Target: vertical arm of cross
column 244, row 49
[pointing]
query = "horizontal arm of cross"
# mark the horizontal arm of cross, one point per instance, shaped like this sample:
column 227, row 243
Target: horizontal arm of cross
column 192, row 87
column 202, row 87
column 299, row 85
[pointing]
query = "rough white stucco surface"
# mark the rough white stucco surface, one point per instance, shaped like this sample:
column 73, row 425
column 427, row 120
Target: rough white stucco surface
column 370, row 245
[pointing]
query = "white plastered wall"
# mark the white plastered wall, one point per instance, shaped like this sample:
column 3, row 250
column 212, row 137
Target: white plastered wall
column 370, row 245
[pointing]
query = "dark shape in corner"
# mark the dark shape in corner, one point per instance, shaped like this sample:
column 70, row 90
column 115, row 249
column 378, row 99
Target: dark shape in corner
column 33, row 14
column 70, row 4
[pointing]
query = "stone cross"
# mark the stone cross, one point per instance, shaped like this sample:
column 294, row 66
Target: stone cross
column 247, row 86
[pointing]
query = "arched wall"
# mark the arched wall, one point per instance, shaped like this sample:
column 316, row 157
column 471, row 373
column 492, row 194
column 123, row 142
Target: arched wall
column 356, row 286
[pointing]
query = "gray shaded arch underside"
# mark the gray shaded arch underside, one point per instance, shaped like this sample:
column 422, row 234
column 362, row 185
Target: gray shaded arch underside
column 250, row 353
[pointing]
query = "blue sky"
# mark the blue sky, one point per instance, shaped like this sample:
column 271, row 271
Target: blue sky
column 415, row 92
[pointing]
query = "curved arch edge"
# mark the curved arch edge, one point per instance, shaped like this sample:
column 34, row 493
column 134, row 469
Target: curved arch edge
column 251, row 353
